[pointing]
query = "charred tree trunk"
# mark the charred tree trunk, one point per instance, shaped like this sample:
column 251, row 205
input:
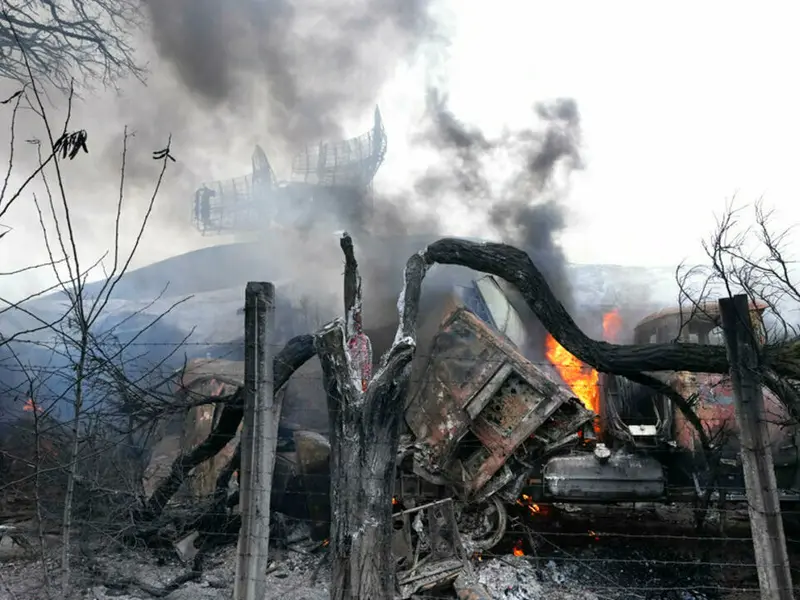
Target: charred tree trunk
column 364, row 439
column 365, row 430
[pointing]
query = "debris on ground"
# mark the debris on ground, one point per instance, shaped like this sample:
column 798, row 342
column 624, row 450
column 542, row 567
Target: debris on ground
column 516, row 578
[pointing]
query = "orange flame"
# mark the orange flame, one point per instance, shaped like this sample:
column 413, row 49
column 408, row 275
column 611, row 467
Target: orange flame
column 518, row 551
column 581, row 378
column 394, row 501
column 30, row 406
column 612, row 325
column 526, row 501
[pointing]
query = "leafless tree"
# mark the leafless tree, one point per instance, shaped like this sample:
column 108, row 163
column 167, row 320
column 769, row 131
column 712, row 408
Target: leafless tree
column 63, row 40
column 96, row 364
column 751, row 256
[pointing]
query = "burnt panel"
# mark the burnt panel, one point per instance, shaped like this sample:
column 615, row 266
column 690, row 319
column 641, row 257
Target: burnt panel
column 463, row 358
column 510, row 405
column 516, row 412
column 479, row 387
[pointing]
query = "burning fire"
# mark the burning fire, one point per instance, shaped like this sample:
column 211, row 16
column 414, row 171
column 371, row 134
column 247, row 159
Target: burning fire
column 30, row 406
column 395, row 502
column 612, row 325
column 518, row 551
column 581, row 378
column 528, row 503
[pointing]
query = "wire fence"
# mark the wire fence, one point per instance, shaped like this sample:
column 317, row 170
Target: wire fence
column 648, row 549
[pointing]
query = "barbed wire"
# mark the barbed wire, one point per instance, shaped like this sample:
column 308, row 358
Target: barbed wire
column 592, row 557
column 695, row 550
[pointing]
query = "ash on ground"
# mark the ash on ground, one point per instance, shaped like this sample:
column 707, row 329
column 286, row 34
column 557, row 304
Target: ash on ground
column 593, row 553
column 292, row 575
column 525, row 578
column 517, row 578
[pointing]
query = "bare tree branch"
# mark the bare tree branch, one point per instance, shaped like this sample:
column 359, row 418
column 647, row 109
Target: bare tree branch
column 58, row 39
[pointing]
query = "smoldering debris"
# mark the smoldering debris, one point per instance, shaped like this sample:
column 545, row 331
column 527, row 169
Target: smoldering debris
column 516, row 578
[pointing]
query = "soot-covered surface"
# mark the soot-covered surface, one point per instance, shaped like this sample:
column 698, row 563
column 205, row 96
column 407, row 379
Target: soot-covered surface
column 612, row 553
column 615, row 552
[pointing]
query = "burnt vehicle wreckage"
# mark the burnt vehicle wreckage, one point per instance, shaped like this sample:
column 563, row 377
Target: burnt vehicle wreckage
column 486, row 429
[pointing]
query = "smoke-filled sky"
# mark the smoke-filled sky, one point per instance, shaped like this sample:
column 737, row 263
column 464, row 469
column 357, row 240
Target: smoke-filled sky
column 656, row 113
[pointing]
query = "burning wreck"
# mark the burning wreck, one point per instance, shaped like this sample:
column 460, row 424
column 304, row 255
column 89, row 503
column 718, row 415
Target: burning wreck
column 486, row 426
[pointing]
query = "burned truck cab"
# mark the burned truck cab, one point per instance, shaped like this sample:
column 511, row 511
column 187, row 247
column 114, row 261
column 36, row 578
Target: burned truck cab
column 487, row 422
column 482, row 412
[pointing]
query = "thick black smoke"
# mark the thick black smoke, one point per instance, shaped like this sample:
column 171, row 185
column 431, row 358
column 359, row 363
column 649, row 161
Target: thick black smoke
column 525, row 207
column 227, row 75
column 321, row 61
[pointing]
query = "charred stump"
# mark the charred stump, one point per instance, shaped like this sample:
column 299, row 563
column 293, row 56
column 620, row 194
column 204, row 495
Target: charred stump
column 365, row 425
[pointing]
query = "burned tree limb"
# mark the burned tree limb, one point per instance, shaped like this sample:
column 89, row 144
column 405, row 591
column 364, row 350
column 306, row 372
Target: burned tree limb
column 294, row 355
column 352, row 286
column 516, row 267
column 220, row 436
column 297, row 352
column 785, row 391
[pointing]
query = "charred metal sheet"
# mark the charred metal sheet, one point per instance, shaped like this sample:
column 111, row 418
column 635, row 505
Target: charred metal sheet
column 526, row 401
column 464, row 355
column 480, row 400
column 622, row 477
column 716, row 409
